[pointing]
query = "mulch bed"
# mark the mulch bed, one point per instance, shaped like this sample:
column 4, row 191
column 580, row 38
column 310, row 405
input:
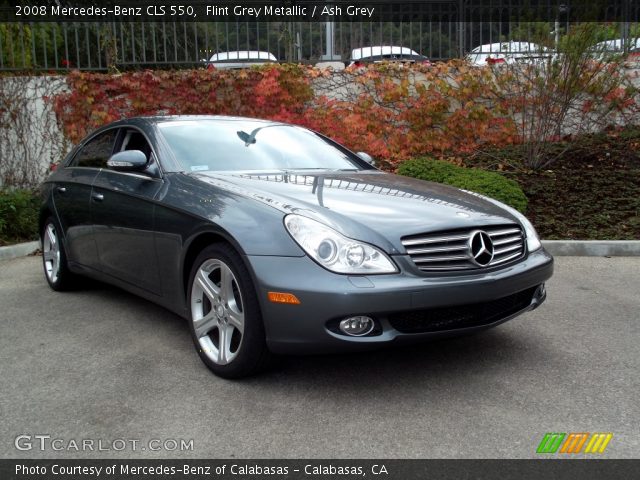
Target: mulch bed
column 591, row 192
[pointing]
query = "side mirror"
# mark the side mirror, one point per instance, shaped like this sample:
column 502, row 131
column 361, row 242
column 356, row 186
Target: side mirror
column 367, row 158
column 129, row 160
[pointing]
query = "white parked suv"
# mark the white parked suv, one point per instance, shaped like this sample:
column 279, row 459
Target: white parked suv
column 508, row 53
column 240, row 59
column 605, row 50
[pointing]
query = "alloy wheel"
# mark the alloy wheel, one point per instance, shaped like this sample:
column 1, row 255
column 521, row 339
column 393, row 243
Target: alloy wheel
column 51, row 253
column 217, row 311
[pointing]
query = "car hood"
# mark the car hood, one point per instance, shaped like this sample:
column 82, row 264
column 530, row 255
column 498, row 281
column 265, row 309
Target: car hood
column 375, row 207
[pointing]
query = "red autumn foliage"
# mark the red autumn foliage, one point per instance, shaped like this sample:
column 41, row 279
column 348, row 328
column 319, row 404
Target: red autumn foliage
column 394, row 112
column 95, row 99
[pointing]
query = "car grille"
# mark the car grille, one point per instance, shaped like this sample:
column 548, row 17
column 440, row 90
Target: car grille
column 449, row 250
column 462, row 316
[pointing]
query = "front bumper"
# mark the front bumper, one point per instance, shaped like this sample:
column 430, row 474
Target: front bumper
column 325, row 298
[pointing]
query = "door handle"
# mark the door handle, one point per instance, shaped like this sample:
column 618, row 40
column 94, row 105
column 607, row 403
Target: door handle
column 61, row 189
column 98, row 197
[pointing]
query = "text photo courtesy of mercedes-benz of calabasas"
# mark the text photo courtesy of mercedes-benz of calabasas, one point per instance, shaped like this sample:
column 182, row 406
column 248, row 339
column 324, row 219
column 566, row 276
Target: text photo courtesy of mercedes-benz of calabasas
column 271, row 238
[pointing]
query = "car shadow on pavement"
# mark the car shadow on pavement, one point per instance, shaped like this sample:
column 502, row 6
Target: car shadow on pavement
column 495, row 353
column 498, row 351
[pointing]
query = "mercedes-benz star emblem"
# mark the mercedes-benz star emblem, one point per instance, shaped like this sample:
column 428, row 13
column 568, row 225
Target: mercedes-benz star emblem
column 480, row 248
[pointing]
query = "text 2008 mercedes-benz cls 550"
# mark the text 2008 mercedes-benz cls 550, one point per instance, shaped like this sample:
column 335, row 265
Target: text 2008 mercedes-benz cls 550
column 270, row 238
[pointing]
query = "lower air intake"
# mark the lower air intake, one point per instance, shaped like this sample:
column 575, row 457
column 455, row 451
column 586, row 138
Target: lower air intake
column 462, row 316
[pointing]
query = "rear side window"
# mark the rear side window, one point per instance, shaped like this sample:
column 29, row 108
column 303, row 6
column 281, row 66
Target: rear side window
column 96, row 153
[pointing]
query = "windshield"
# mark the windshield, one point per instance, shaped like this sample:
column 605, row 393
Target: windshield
column 233, row 145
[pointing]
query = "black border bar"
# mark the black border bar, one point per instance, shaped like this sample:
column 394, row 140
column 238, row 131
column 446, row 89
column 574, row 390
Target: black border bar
column 314, row 10
column 315, row 469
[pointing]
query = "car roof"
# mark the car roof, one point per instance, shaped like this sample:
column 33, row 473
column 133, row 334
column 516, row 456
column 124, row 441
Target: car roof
column 365, row 52
column 617, row 44
column 192, row 118
column 142, row 121
column 243, row 55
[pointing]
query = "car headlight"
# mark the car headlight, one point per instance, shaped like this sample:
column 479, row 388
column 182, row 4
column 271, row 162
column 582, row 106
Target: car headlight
column 533, row 241
column 334, row 251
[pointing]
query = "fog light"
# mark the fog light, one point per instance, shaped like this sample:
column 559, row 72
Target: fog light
column 357, row 326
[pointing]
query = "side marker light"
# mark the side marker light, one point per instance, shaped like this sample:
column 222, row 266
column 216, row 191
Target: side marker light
column 281, row 297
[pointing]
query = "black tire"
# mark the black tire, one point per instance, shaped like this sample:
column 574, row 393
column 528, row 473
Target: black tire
column 54, row 257
column 216, row 314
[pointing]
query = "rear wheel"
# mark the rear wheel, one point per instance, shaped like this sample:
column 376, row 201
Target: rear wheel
column 226, row 323
column 54, row 257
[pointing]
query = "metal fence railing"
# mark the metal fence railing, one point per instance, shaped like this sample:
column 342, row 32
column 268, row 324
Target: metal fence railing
column 96, row 46
column 444, row 29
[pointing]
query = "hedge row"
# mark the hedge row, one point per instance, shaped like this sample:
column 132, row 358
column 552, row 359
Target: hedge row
column 491, row 184
column 18, row 215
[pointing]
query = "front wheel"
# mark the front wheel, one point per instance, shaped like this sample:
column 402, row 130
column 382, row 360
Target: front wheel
column 226, row 323
column 54, row 257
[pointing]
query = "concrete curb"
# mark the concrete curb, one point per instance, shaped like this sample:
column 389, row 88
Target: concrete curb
column 593, row 248
column 18, row 250
column 569, row 248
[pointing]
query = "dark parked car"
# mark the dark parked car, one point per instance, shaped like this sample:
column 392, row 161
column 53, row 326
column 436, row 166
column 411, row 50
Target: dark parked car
column 269, row 237
column 363, row 55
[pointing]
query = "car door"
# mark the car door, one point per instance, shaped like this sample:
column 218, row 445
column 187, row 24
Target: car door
column 122, row 205
column 72, row 197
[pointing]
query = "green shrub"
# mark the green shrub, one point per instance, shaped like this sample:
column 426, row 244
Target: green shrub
column 486, row 183
column 18, row 215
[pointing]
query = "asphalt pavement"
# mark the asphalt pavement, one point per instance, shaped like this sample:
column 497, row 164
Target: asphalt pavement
column 98, row 372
